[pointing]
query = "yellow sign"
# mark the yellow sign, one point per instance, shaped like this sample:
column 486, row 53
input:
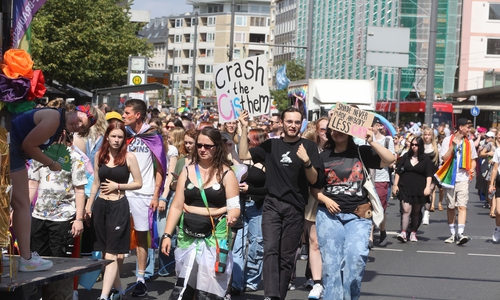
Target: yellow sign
column 137, row 80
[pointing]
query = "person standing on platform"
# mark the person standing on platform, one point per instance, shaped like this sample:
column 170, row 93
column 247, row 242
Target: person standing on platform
column 292, row 164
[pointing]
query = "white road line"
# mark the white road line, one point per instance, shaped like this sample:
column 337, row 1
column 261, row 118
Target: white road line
column 436, row 252
column 480, row 254
column 387, row 249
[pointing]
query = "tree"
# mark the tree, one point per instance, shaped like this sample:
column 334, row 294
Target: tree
column 295, row 70
column 85, row 43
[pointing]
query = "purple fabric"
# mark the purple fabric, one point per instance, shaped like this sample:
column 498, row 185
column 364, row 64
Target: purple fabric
column 13, row 89
column 23, row 13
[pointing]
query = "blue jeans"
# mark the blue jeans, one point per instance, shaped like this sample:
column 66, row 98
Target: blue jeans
column 343, row 242
column 249, row 275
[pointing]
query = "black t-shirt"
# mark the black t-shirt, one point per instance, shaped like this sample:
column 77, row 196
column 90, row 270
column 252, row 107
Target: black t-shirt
column 344, row 176
column 285, row 173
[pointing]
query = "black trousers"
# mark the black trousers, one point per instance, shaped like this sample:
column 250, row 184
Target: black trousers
column 282, row 226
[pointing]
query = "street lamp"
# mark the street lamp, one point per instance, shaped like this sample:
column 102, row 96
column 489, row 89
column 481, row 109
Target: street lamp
column 474, row 98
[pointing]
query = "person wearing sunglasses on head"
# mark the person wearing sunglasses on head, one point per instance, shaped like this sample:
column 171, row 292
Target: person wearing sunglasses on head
column 33, row 132
column 412, row 186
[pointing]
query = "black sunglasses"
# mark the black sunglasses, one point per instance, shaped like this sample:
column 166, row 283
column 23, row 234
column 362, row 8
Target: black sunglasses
column 207, row 147
column 414, row 144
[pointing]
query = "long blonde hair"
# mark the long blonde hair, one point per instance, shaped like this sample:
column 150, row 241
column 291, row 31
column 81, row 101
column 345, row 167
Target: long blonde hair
column 435, row 160
column 177, row 135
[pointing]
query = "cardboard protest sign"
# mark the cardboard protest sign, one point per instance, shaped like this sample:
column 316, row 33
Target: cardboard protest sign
column 242, row 85
column 351, row 120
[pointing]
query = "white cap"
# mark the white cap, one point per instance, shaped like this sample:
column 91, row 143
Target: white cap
column 490, row 134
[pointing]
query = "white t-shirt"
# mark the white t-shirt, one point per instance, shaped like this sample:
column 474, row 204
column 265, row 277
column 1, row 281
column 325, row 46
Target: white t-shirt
column 145, row 159
column 496, row 156
column 172, row 152
column 382, row 175
column 462, row 174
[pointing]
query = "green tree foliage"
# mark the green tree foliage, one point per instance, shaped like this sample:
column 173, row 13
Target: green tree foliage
column 295, row 70
column 85, row 43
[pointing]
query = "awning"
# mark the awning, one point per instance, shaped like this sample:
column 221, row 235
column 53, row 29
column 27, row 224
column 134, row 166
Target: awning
column 130, row 89
column 489, row 91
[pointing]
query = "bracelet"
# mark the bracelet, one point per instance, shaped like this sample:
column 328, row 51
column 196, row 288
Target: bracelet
column 51, row 164
column 167, row 235
column 162, row 199
column 79, row 219
column 309, row 165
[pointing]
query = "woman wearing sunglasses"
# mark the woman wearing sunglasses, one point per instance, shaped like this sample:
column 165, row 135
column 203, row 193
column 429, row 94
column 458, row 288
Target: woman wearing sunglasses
column 206, row 202
column 412, row 185
column 31, row 133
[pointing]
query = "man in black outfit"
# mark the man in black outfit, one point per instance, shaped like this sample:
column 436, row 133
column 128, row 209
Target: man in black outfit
column 292, row 164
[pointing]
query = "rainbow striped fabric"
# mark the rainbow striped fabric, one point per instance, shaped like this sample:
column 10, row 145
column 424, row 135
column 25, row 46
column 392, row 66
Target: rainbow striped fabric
column 447, row 173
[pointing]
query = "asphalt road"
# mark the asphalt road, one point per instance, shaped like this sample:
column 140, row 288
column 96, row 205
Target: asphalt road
column 427, row 269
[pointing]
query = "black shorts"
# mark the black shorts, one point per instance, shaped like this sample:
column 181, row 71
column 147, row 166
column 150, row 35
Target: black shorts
column 112, row 225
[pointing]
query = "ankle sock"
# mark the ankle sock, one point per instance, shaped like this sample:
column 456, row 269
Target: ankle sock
column 140, row 275
column 452, row 229
column 461, row 228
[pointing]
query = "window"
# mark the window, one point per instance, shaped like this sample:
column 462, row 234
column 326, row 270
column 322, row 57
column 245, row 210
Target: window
column 239, row 37
column 178, row 23
column 191, row 38
column 494, row 13
column 210, row 52
column 493, row 47
column 210, row 21
column 178, row 38
column 177, row 69
column 207, row 85
column 236, row 54
column 210, row 37
column 209, row 69
column 191, row 53
column 240, row 21
column 215, row 8
column 190, row 71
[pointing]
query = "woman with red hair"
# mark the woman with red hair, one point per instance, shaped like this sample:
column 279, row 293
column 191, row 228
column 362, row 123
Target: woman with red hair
column 111, row 212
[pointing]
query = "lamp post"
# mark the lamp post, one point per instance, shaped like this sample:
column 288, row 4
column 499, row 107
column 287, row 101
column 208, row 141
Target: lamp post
column 474, row 98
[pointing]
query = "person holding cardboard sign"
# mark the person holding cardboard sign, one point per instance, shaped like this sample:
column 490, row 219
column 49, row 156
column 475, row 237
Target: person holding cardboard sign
column 343, row 220
column 292, row 164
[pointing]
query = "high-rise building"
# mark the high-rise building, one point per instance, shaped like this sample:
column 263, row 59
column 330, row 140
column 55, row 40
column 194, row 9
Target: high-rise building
column 251, row 37
column 339, row 40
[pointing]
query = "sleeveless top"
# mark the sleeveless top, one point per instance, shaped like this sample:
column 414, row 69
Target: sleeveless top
column 216, row 194
column 24, row 123
column 118, row 174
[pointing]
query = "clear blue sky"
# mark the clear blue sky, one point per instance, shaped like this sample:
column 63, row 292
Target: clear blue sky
column 160, row 8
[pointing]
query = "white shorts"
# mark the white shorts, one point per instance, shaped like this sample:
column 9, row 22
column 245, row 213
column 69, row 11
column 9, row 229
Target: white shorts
column 139, row 208
column 458, row 196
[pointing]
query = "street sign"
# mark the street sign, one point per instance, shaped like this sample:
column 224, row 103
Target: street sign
column 474, row 111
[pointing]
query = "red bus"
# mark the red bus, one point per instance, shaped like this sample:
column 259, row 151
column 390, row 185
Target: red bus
column 414, row 111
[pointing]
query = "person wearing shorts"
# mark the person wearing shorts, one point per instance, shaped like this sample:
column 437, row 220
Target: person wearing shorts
column 457, row 193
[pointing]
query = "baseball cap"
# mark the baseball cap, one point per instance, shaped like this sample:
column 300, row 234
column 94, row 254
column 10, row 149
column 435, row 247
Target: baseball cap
column 490, row 134
column 462, row 122
column 113, row 115
column 186, row 116
column 376, row 120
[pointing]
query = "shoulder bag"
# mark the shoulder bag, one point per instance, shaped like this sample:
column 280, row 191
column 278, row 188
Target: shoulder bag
column 377, row 209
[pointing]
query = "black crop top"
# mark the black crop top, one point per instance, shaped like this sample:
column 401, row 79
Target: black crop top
column 118, row 174
column 216, row 194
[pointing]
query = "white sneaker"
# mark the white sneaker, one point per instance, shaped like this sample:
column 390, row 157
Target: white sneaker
column 413, row 237
column 36, row 263
column 317, row 292
column 496, row 235
column 451, row 239
column 425, row 219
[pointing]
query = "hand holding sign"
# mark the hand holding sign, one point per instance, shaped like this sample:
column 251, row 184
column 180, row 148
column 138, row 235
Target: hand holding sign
column 351, row 120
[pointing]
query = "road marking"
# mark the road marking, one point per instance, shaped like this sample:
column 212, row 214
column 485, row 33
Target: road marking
column 480, row 237
column 387, row 249
column 436, row 252
column 480, row 254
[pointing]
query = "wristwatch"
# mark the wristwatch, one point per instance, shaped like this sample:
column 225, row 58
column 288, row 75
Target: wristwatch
column 167, row 235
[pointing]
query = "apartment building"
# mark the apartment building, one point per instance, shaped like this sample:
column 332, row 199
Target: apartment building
column 174, row 48
column 480, row 48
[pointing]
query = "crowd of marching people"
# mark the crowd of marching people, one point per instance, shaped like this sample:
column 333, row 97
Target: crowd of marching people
column 199, row 190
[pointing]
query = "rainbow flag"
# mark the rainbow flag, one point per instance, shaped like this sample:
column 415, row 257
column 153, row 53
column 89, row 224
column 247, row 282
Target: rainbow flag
column 447, row 173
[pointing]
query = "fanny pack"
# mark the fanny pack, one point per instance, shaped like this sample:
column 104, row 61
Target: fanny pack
column 364, row 210
column 197, row 226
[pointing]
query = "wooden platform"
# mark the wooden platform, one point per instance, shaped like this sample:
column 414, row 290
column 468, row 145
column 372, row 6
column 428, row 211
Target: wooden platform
column 63, row 268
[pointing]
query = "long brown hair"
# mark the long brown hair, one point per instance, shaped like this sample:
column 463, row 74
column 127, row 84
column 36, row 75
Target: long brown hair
column 103, row 157
column 220, row 154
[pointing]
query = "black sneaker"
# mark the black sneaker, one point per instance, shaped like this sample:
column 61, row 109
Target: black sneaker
column 140, row 290
column 383, row 239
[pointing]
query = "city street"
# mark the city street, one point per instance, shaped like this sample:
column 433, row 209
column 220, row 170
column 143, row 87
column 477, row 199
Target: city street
column 427, row 269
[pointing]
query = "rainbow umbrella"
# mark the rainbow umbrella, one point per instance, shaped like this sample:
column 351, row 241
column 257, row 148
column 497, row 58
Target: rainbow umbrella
column 387, row 125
